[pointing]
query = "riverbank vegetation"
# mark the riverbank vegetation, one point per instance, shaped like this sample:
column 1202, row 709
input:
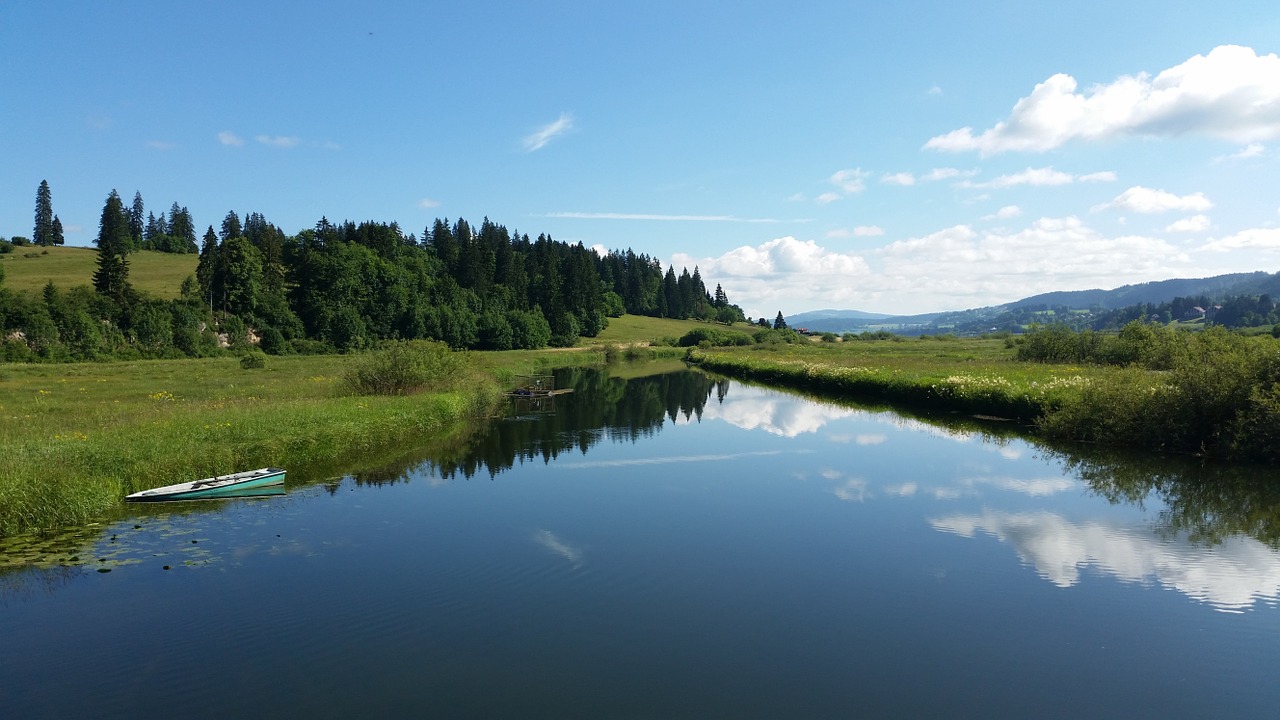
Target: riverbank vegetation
column 1211, row 393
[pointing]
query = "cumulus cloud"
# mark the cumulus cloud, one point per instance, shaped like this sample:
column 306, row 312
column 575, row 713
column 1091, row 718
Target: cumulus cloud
column 1255, row 238
column 1231, row 93
column 1148, row 201
column 827, row 197
column 545, row 134
column 428, row 203
column 280, row 141
column 1104, row 176
column 1004, row 213
column 946, row 174
column 226, row 137
column 961, row 267
column 904, row 179
column 1195, row 223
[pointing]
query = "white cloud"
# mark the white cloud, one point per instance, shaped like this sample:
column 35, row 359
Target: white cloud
column 428, row 203
column 871, row 439
column 961, row 267
column 1252, row 150
column 850, row 181
column 229, row 138
column 935, row 90
column 1231, row 93
column 660, row 217
column 904, row 179
column 161, row 145
column 1036, row 177
column 1195, row 223
column 946, row 174
column 859, row 231
column 1104, row 176
column 827, row 197
column 545, row 134
column 1004, row 213
column 280, row 141
column 1256, row 238
column 1146, row 200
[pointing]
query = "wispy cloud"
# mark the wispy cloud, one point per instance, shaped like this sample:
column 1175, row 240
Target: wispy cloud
column 280, row 141
column 230, row 139
column 1230, row 93
column 161, row 145
column 428, row 203
column 547, row 133
column 850, row 181
column 904, row 179
column 1252, row 150
column 859, row 231
column 1040, row 177
column 665, row 218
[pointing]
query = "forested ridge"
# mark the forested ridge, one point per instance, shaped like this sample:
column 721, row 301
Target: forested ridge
column 342, row 286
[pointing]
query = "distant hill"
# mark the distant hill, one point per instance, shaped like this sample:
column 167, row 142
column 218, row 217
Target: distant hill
column 1153, row 292
column 1078, row 304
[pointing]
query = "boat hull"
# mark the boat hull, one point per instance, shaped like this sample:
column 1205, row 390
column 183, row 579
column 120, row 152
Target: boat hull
column 242, row 484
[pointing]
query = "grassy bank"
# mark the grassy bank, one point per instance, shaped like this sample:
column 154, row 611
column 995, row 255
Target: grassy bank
column 77, row 438
column 1211, row 393
column 972, row 376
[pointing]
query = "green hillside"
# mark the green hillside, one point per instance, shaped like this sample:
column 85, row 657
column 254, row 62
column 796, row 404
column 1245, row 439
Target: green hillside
column 154, row 273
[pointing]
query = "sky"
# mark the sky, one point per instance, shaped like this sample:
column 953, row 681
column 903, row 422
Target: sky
column 900, row 157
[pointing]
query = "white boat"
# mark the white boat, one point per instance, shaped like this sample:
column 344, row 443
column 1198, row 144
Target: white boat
column 241, row 484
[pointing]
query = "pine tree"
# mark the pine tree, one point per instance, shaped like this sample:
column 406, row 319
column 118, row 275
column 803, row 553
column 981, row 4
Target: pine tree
column 43, row 232
column 112, row 276
column 779, row 323
column 230, row 227
column 136, row 226
column 58, row 238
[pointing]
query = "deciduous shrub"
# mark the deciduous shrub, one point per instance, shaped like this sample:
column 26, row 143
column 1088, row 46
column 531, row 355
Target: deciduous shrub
column 403, row 368
column 253, row 360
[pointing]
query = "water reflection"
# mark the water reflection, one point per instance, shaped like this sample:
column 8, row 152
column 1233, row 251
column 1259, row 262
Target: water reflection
column 1231, row 576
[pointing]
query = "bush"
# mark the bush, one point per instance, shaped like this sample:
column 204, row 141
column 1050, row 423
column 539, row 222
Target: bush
column 712, row 337
column 404, row 368
column 253, row 360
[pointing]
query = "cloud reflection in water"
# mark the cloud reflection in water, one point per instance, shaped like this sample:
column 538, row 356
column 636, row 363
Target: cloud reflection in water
column 1230, row 577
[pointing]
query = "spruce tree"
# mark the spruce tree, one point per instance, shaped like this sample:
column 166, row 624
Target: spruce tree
column 136, row 226
column 58, row 238
column 779, row 323
column 43, row 232
column 112, row 276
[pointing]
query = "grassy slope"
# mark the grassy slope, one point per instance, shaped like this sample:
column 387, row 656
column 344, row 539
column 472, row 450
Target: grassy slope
column 157, row 274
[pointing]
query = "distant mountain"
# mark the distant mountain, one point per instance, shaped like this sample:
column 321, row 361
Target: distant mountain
column 1161, row 291
column 1015, row 314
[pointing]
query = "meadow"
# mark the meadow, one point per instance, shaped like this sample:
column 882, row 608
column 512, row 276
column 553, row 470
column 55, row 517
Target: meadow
column 29, row 269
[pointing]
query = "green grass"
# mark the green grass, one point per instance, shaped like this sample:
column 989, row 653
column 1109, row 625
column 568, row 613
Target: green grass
column 639, row 329
column 971, row 375
column 77, row 438
column 157, row 274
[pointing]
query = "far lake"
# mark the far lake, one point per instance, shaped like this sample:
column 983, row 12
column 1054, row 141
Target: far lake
column 675, row 546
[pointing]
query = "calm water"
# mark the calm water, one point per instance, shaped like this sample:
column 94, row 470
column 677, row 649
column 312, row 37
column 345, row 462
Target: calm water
column 674, row 546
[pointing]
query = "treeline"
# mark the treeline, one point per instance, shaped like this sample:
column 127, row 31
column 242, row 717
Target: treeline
column 344, row 287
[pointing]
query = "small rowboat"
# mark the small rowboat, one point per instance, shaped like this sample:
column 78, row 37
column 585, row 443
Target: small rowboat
column 241, row 484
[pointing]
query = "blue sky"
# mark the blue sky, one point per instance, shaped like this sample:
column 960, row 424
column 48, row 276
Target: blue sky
column 891, row 157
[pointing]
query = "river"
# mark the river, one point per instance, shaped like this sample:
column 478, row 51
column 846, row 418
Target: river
column 675, row 545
